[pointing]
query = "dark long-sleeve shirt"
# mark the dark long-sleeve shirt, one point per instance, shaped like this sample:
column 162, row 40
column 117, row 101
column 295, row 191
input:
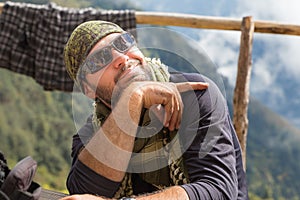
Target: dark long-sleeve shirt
column 212, row 155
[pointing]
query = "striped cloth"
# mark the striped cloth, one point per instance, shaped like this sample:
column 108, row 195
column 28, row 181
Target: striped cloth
column 32, row 38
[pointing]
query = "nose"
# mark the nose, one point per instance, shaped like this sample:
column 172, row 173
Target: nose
column 136, row 54
column 120, row 59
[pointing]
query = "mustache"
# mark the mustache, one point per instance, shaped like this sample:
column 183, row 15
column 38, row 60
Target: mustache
column 130, row 63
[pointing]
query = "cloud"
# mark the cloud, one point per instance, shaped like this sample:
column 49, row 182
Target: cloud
column 284, row 46
column 222, row 47
column 280, row 52
column 289, row 55
column 280, row 10
column 265, row 72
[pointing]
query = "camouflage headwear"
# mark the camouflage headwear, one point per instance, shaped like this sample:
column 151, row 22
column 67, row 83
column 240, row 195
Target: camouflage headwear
column 81, row 41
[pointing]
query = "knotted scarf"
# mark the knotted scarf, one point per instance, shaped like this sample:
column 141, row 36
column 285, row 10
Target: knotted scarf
column 174, row 173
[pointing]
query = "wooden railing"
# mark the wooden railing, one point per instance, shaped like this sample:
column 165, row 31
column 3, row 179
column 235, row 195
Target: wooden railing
column 247, row 27
column 217, row 23
column 208, row 22
column 1, row 7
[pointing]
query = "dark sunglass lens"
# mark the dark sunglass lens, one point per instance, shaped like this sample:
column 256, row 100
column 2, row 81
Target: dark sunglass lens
column 128, row 38
column 102, row 58
column 89, row 65
column 123, row 43
column 120, row 44
column 98, row 60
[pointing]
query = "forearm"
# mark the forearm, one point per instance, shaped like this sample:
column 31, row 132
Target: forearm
column 107, row 158
column 109, row 151
column 171, row 193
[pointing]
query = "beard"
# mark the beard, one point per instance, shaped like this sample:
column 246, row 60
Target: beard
column 136, row 72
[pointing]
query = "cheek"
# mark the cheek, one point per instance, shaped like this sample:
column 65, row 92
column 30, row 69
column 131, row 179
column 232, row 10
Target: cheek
column 94, row 79
column 106, row 78
column 103, row 79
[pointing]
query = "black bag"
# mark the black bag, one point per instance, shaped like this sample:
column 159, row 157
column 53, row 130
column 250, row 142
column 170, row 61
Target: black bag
column 17, row 184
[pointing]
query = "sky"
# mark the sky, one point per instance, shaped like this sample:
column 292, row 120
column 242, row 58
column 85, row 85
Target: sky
column 280, row 54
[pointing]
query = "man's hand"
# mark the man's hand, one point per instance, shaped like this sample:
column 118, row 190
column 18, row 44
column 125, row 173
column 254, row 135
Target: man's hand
column 167, row 95
column 172, row 193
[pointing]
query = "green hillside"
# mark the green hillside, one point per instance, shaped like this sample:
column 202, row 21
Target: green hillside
column 273, row 155
column 37, row 123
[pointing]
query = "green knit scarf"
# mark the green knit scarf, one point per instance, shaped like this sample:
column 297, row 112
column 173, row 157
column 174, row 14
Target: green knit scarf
column 174, row 173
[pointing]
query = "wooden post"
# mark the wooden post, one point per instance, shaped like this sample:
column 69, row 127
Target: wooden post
column 241, row 91
column 1, row 7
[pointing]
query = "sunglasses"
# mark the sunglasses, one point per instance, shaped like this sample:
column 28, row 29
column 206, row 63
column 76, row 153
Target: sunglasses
column 103, row 56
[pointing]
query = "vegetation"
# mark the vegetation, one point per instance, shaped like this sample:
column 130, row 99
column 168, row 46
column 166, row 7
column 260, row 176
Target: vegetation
column 36, row 123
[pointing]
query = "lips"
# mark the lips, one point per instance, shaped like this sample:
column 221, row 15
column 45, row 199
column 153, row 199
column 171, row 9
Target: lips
column 129, row 68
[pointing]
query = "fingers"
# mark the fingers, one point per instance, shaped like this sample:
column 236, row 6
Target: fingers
column 173, row 108
column 175, row 119
column 168, row 95
column 170, row 105
column 158, row 111
column 177, row 114
column 187, row 86
column 171, row 113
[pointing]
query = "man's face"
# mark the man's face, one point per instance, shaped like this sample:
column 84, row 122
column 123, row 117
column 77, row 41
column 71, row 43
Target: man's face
column 120, row 68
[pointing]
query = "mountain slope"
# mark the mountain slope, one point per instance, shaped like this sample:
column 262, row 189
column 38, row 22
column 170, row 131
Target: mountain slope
column 36, row 123
column 273, row 154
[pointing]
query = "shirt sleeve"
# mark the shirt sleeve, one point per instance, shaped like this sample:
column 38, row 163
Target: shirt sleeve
column 209, row 153
column 81, row 179
column 82, row 137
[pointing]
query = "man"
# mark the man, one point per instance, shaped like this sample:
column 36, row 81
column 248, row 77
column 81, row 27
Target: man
column 153, row 135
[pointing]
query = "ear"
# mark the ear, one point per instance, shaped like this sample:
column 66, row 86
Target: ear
column 89, row 91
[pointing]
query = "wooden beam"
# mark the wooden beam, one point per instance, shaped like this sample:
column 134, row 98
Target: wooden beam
column 241, row 91
column 208, row 22
column 187, row 20
column 1, row 7
column 276, row 28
